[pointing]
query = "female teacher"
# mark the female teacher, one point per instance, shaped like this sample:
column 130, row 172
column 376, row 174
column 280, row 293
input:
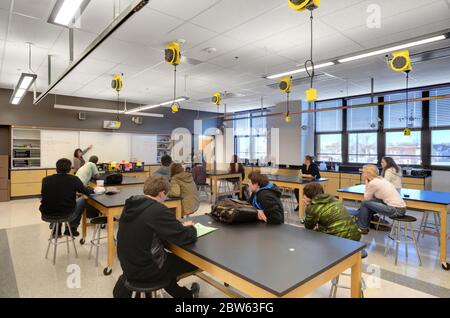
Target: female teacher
column 78, row 160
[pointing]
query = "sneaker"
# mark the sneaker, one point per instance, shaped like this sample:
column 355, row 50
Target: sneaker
column 297, row 208
column 75, row 233
column 195, row 289
column 364, row 231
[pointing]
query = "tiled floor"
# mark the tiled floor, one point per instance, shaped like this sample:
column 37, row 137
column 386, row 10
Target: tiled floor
column 25, row 272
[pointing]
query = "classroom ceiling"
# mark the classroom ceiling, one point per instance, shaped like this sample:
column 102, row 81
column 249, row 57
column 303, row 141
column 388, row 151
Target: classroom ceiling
column 251, row 38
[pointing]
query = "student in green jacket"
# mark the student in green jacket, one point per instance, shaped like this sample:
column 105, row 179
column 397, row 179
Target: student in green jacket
column 326, row 214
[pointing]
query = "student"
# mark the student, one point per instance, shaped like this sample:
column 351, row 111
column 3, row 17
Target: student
column 199, row 173
column 164, row 170
column 310, row 170
column 326, row 214
column 236, row 167
column 380, row 196
column 144, row 225
column 78, row 160
column 266, row 198
column 391, row 172
column 59, row 196
column 88, row 171
column 182, row 185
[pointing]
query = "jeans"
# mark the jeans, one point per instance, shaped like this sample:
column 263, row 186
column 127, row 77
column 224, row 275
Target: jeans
column 369, row 208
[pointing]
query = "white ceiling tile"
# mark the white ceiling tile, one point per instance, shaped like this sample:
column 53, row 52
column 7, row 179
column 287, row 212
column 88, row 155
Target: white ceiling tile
column 231, row 13
column 97, row 67
column 147, row 26
column 222, row 44
column 3, row 23
column 38, row 32
column 192, row 34
column 5, row 4
column 97, row 16
column 179, row 9
column 39, row 9
column 115, row 50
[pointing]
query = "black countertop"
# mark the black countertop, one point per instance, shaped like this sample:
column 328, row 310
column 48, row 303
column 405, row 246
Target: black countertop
column 277, row 258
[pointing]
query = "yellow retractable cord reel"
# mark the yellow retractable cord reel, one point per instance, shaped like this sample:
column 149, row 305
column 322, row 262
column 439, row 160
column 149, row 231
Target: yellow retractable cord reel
column 173, row 57
column 285, row 86
column 401, row 62
column 117, row 85
column 311, row 5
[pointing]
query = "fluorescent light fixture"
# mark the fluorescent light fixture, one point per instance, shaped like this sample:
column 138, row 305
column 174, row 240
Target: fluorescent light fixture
column 392, row 49
column 66, row 11
column 300, row 70
column 22, row 87
column 102, row 110
column 146, row 107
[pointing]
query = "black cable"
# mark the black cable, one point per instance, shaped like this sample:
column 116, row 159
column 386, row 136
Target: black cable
column 287, row 105
column 174, row 84
column 407, row 99
column 310, row 61
column 118, row 117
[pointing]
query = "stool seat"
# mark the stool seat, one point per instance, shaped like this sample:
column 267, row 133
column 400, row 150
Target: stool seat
column 363, row 254
column 353, row 212
column 148, row 288
column 55, row 219
column 404, row 218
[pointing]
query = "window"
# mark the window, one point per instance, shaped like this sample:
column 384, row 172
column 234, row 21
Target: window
column 364, row 118
column 440, row 108
column 396, row 115
column 329, row 147
column 251, row 136
column 362, row 148
column 404, row 149
column 329, row 121
column 440, row 147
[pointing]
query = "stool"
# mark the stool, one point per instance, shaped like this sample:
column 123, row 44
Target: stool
column 424, row 225
column 354, row 213
column 335, row 281
column 402, row 223
column 99, row 222
column 204, row 188
column 57, row 224
column 152, row 288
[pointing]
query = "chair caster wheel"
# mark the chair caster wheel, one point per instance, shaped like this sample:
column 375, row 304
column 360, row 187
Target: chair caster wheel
column 445, row 266
column 103, row 226
column 82, row 241
column 107, row 271
column 226, row 285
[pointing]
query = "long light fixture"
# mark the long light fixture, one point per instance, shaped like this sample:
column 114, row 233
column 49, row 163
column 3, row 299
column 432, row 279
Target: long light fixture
column 22, row 87
column 393, row 48
column 66, row 11
column 300, row 70
column 102, row 110
column 146, row 107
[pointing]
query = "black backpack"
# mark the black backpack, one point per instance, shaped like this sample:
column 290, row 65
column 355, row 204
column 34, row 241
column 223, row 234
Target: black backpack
column 113, row 178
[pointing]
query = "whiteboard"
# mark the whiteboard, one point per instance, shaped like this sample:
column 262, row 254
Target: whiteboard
column 107, row 146
column 143, row 148
column 57, row 144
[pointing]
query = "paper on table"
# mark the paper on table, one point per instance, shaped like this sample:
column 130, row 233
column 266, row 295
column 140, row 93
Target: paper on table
column 203, row 230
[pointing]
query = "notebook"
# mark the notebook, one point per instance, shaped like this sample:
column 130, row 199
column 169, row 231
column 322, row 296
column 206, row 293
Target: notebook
column 203, row 230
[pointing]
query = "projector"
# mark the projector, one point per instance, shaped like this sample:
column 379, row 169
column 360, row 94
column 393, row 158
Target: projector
column 111, row 124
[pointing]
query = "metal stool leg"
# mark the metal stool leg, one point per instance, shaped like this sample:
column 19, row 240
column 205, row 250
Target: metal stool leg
column 133, row 294
column 97, row 246
column 405, row 232
column 92, row 241
column 397, row 238
column 56, row 243
column 67, row 239
column 391, row 238
column 415, row 244
column 73, row 242
column 50, row 240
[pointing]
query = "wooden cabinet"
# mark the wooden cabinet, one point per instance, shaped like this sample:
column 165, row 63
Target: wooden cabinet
column 416, row 183
column 350, row 179
column 141, row 175
column 26, row 182
column 4, row 181
column 333, row 183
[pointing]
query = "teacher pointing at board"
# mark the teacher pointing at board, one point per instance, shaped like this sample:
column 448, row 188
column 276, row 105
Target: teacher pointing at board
column 78, row 160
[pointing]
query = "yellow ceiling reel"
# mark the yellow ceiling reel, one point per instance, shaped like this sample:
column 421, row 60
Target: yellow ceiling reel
column 117, row 85
column 285, row 86
column 172, row 55
column 401, row 62
column 311, row 5
column 217, row 98
column 301, row 5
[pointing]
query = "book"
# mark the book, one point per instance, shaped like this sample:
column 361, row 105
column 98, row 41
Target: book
column 203, row 230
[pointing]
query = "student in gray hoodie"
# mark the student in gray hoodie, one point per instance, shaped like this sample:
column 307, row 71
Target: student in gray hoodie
column 164, row 170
